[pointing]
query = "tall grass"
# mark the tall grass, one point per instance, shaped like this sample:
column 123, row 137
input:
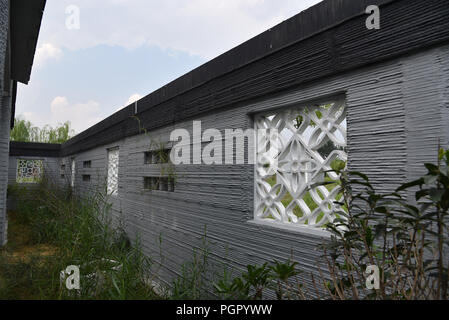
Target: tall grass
column 75, row 231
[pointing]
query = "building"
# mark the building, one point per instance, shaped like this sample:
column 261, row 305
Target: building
column 20, row 22
column 383, row 100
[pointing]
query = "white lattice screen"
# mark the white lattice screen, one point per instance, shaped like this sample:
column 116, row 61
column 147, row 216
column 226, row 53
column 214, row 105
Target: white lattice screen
column 73, row 173
column 113, row 164
column 295, row 147
column 29, row 171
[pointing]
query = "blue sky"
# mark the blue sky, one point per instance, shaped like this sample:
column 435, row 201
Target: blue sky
column 125, row 49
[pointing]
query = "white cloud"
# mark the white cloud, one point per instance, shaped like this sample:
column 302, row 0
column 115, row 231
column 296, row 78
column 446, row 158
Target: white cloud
column 133, row 98
column 200, row 27
column 46, row 52
column 80, row 115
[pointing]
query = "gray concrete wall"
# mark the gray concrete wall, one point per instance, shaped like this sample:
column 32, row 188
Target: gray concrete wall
column 51, row 172
column 426, row 101
column 5, row 117
column 51, row 168
column 397, row 113
column 5, row 121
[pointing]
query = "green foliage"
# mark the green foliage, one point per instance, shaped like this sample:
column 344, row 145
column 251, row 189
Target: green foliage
column 24, row 131
column 406, row 237
column 77, row 232
column 252, row 283
column 192, row 284
column 407, row 240
column 167, row 169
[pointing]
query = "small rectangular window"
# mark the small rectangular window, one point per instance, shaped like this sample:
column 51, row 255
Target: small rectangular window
column 86, row 178
column 87, row 164
column 62, row 176
column 148, row 183
column 164, row 184
column 163, row 156
column 63, row 167
column 171, row 185
column 157, row 157
column 158, row 184
column 148, row 158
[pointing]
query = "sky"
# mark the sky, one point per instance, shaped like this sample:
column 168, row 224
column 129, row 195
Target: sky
column 95, row 57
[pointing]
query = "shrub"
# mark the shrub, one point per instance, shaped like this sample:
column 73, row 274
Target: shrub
column 405, row 239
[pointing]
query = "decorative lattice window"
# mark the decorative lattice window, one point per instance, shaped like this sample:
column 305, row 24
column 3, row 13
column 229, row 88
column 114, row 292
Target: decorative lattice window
column 73, row 174
column 296, row 149
column 113, row 163
column 29, row 171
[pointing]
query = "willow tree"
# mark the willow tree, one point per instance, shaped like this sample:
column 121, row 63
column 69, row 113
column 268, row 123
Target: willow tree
column 24, row 131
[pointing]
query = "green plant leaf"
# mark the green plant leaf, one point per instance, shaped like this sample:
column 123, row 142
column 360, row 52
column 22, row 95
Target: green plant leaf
column 361, row 175
column 436, row 194
column 421, row 194
column 433, row 169
column 430, row 179
column 409, row 185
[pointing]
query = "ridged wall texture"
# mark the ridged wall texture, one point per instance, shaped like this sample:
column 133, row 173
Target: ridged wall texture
column 5, row 118
column 397, row 115
column 50, row 168
column 50, row 171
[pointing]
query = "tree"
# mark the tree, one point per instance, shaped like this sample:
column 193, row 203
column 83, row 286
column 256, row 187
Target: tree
column 24, row 131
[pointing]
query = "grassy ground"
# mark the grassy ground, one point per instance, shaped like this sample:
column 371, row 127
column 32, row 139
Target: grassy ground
column 22, row 262
column 49, row 231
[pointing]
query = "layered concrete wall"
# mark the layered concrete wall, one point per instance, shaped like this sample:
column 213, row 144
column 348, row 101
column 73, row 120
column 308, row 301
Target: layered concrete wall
column 5, row 121
column 5, row 116
column 426, row 101
column 397, row 116
column 50, row 170
column 398, row 112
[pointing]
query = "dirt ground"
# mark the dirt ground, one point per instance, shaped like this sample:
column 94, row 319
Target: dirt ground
column 20, row 246
column 18, row 252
